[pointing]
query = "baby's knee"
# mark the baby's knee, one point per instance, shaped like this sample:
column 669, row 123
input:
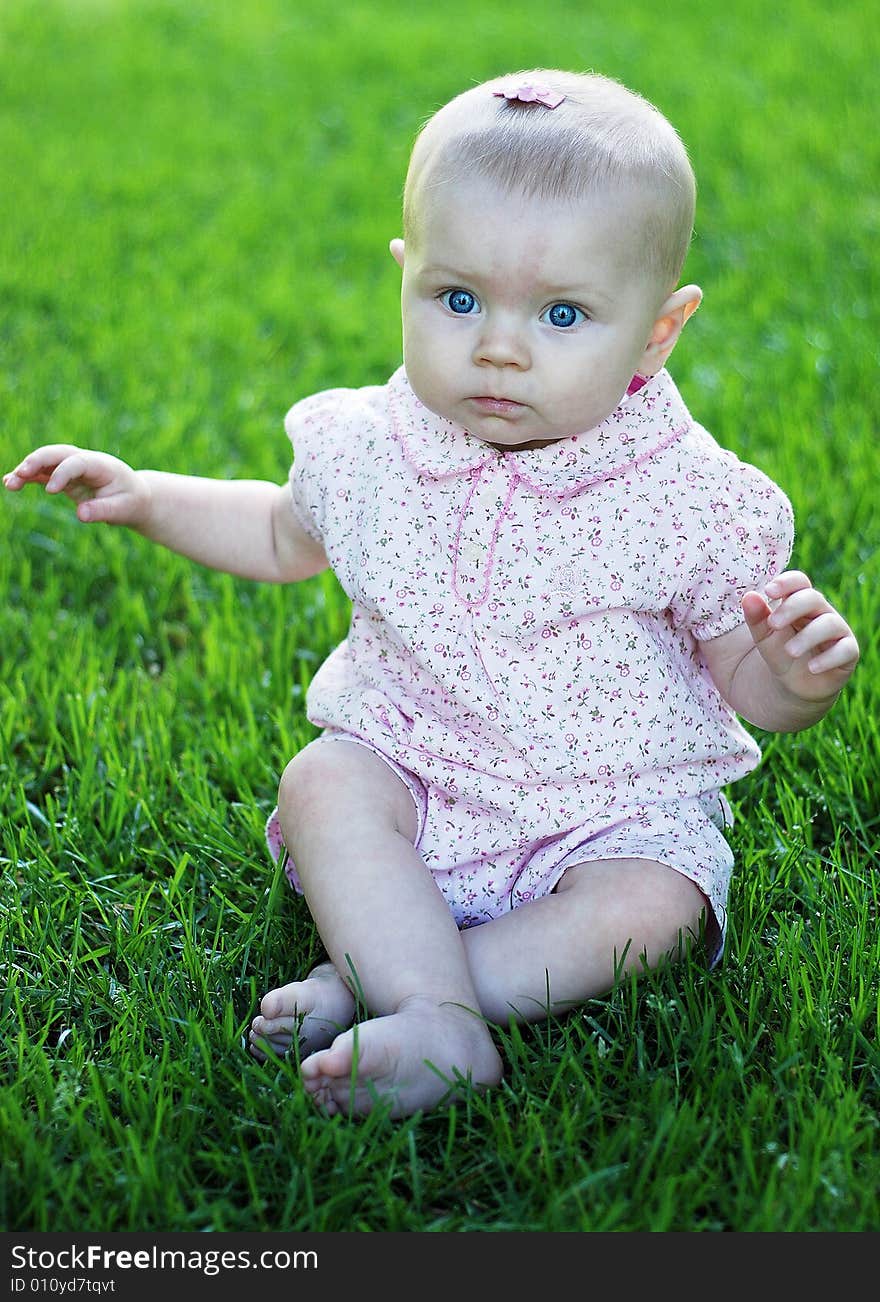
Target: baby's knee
column 307, row 784
column 336, row 781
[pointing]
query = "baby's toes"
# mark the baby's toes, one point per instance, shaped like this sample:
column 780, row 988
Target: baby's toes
column 271, row 1037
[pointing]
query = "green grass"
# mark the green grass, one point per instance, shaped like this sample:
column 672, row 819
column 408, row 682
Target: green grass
column 197, row 200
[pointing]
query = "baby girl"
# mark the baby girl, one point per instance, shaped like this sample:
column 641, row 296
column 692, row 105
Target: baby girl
column 564, row 596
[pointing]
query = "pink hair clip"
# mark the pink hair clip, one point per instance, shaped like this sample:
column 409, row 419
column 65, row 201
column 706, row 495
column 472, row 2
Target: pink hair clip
column 526, row 93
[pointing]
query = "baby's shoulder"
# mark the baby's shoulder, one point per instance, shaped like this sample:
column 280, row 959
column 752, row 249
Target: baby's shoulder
column 724, row 498
column 332, row 418
column 709, row 466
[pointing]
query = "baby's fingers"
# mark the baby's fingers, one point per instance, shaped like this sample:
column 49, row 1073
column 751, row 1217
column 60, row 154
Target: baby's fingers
column 805, row 604
column 80, row 473
column 105, row 489
column 831, row 638
column 842, row 655
column 786, row 583
column 72, row 470
column 38, row 466
column 825, row 628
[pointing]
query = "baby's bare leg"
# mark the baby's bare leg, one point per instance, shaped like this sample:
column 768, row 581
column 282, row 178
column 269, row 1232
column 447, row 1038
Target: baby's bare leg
column 604, row 918
column 349, row 823
column 543, row 950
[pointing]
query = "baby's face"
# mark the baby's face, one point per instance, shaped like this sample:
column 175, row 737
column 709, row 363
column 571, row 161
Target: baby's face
column 524, row 320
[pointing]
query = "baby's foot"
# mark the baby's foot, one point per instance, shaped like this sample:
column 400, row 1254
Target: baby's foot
column 413, row 1057
column 313, row 1011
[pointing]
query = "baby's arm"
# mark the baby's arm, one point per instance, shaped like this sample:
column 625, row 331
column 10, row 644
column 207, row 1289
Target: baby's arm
column 245, row 527
column 784, row 667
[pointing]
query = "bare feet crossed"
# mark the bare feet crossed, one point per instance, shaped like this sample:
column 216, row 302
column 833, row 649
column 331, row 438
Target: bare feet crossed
column 415, row 1058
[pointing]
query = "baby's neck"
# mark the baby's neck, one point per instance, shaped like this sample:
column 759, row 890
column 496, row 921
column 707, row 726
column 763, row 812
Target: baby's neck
column 524, row 447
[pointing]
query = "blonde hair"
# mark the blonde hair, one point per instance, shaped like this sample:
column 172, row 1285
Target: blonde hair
column 602, row 135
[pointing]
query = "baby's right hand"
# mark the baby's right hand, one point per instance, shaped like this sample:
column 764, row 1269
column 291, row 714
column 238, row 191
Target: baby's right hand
column 105, row 489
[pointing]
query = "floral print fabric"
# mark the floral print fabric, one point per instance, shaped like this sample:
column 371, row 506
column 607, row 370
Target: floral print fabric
column 526, row 625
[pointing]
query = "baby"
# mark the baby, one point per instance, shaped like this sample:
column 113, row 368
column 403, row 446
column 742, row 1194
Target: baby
column 563, row 594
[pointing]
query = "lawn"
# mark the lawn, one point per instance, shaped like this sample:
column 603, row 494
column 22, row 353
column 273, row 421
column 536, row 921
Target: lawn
column 197, row 202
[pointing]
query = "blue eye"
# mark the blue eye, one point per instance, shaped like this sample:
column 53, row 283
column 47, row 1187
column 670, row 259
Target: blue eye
column 459, row 301
column 564, row 315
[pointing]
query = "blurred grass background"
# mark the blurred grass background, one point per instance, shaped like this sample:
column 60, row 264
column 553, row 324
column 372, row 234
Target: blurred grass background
column 196, row 205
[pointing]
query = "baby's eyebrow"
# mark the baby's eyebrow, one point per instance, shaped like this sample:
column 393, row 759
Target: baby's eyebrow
column 447, row 272
column 459, row 275
column 578, row 293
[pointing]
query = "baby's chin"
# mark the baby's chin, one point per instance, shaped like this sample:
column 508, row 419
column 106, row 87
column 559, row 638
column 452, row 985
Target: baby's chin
column 523, row 430
column 507, row 440
column 501, row 424
column 507, row 426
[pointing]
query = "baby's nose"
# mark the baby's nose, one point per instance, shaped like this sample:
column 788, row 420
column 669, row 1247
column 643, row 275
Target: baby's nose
column 501, row 343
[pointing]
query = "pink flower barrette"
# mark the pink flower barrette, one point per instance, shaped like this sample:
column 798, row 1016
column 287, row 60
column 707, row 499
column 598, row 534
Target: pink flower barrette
column 526, row 93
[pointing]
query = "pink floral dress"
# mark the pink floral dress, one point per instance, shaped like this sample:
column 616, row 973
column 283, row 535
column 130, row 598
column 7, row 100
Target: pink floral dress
column 524, row 647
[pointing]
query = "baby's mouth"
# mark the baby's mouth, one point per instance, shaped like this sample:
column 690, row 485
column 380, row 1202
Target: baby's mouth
column 497, row 406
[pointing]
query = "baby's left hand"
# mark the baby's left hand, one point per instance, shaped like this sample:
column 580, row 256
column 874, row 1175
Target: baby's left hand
column 804, row 641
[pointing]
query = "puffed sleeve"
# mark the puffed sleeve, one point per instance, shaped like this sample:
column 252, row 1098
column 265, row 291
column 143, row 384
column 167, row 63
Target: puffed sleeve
column 337, row 436
column 741, row 533
column 312, row 425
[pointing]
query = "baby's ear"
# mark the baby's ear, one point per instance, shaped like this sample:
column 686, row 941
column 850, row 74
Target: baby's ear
column 396, row 247
column 670, row 322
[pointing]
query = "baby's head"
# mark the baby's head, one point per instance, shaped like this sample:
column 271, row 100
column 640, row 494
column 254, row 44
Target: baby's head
column 547, row 216
column 600, row 136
